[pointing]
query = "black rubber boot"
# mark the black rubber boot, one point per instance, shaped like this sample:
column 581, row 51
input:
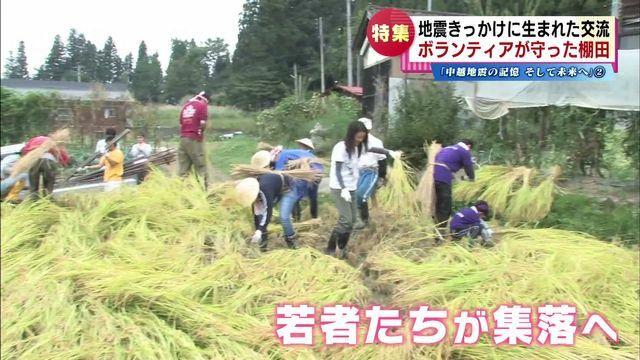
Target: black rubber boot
column 263, row 242
column 291, row 241
column 331, row 246
column 364, row 213
column 343, row 239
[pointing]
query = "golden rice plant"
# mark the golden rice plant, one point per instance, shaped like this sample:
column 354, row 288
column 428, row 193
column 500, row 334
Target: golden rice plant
column 519, row 206
column 531, row 267
column 499, row 190
column 484, row 177
column 398, row 195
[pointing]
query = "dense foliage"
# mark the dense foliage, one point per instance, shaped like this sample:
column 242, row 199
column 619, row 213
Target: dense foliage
column 23, row 116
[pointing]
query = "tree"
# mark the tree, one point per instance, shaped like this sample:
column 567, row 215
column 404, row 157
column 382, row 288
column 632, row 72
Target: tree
column 9, row 65
column 155, row 84
column 127, row 69
column 146, row 82
column 53, row 68
column 89, row 62
column 75, row 51
column 19, row 69
column 188, row 70
column 109, row 63
column 425, row 114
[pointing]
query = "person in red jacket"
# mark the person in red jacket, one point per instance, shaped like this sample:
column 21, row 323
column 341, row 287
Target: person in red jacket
column 193, row 120
column 46, row 167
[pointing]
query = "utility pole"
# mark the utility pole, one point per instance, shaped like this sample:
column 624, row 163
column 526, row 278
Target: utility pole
column 79, row 78
column 349, row 60
column 615, row 8
column 429, row 5
column 321, row 55
column 295, row 80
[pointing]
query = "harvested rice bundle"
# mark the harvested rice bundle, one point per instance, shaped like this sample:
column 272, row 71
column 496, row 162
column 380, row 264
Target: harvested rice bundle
column 520, row 203
column 242, row 171
column 531, row 267
column 398, row 196
column 27, row 161
column 304, row 163
column 542, row 196
column 485, row 176
column 426, row 188
column 264, row 146
column 498, row 192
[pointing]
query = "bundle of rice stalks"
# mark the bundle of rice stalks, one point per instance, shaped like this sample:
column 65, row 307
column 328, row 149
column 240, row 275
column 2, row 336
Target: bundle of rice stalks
column 426, row 190
column 264, row 146
column 542, row 196
column 243, row 171
column 27, row 161
column 485, row 176
column 528, row 267
column 520, row 202
column 398, row 195
column 498, row 192
column 305, row 163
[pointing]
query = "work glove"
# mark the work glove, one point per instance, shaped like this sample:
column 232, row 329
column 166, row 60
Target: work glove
column 395, row 154
column 257, row 236
column 346, row 195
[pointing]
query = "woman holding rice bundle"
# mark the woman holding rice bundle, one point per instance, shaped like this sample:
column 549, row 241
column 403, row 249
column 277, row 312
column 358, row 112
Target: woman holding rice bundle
column 343, row 183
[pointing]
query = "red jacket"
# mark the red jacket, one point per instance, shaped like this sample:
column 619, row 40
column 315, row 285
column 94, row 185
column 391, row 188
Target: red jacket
column 59, row 151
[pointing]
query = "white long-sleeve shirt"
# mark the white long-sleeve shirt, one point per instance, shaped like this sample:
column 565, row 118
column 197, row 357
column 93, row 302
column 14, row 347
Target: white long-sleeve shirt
column 140, row 150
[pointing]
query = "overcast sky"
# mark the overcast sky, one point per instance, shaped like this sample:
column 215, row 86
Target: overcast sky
column 37, row 22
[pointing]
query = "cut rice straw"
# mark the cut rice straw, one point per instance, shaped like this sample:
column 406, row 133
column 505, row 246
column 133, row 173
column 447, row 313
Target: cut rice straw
column 426, row 187
column 27, row 161
column 242, row 171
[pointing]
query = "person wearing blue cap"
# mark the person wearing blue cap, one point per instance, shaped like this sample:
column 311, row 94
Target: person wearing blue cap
column 469, row 222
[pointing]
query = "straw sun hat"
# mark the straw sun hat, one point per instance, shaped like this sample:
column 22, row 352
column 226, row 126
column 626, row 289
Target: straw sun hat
column 306, row 142
column 261, row 159
column 246, row 191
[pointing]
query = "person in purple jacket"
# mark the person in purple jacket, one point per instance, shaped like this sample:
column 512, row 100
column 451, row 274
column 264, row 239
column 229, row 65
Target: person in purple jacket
column 469, row 222
column 448, row 161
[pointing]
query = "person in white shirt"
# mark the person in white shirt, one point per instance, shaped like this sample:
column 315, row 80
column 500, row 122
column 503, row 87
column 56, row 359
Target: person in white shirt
column 372, row 166
column 343, row 182
column 101, row 145
column 141, row 148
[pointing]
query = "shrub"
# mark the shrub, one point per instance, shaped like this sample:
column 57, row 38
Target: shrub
column 424, row 114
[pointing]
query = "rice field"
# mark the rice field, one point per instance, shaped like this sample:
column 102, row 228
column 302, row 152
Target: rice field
column 166, row 271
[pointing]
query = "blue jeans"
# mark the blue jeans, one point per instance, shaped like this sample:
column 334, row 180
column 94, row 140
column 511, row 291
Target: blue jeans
column 289, row 200
column 366, row 185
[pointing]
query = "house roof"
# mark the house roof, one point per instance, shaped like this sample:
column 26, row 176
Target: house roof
column 355, row 91
column 372, row 9
column 68, row 89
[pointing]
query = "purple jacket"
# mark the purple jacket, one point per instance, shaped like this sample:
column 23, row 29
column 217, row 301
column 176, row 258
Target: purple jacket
column 455, row 157
column 465, row 219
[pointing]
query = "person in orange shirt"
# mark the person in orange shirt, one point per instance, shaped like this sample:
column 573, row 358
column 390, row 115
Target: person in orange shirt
column 113, row 162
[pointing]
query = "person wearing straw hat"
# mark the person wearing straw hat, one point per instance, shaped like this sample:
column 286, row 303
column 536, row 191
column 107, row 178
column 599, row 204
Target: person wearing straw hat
column 469, row 222
column 448, row 161
column 193, row 121
column 372, row 167
column 298, row 190
column 262, row 194
column 306, row 144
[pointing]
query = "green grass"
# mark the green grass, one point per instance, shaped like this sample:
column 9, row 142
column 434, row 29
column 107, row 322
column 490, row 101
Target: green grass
column 220, row 118
column 224, row 154
column 606, row 221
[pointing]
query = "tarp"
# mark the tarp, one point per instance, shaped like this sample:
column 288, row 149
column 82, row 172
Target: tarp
column 491, row 100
